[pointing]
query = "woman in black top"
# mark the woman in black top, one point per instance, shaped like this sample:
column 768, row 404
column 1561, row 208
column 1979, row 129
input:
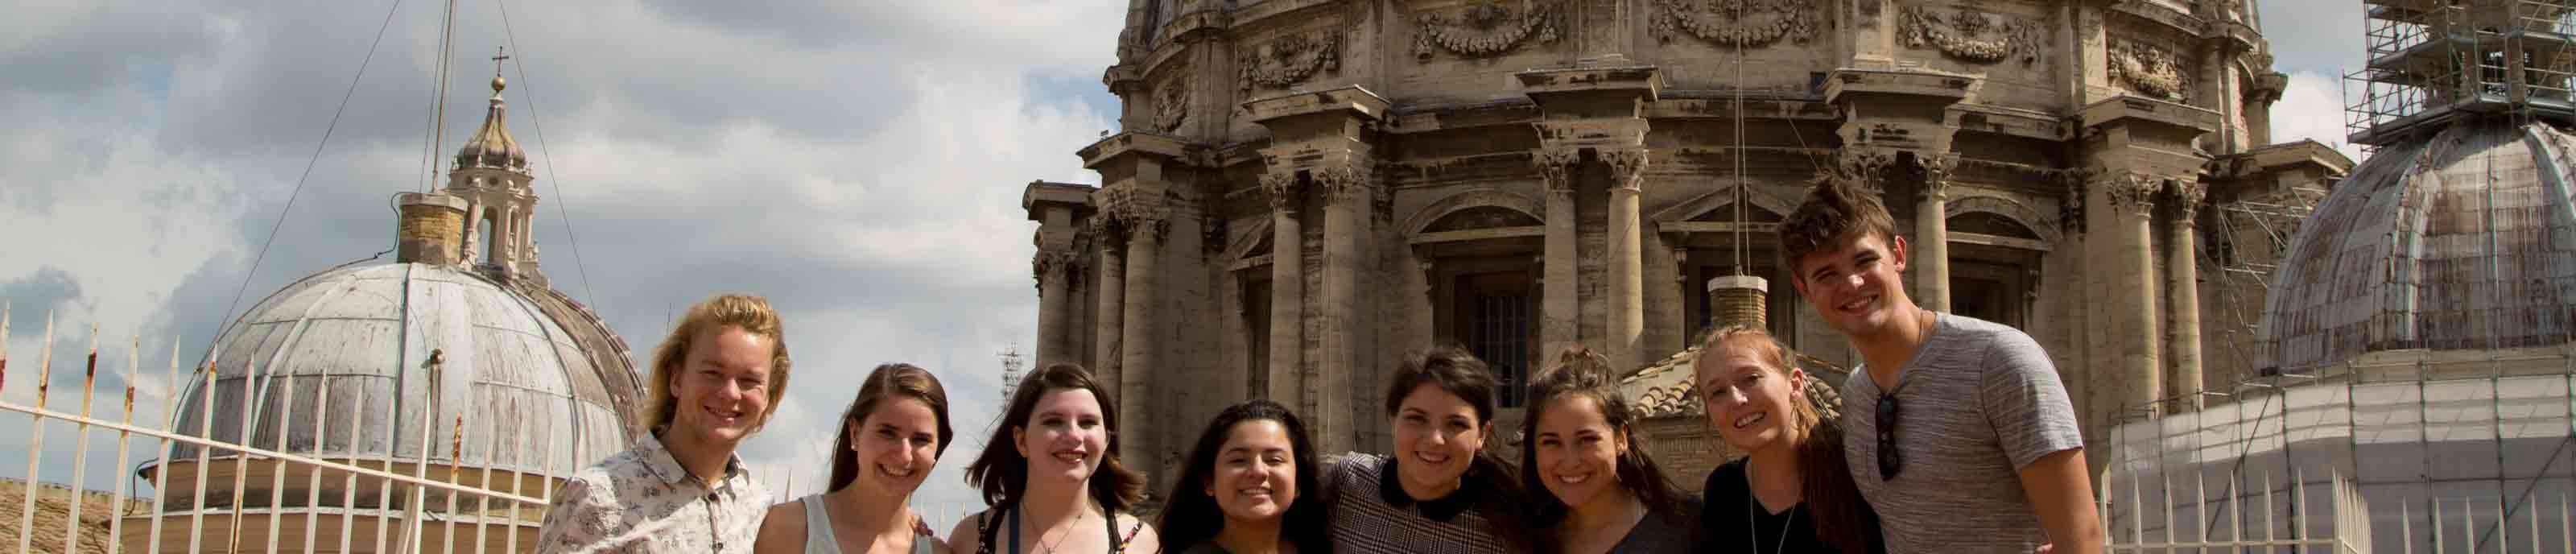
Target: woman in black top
column 1580, row 445
column 1247, row 487
column 1792, row 493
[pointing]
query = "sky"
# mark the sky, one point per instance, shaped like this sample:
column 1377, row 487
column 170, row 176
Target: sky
column 859, row 163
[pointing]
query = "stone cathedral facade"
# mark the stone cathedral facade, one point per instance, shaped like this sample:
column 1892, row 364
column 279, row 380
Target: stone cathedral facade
column 1304, row 190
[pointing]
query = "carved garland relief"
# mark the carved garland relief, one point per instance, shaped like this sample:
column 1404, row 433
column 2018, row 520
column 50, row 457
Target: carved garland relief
column 2148, row 69
column 1734, row 23
column 1290, row 60
column 1485, row 29
column 1971, row 36
column 1171, row 104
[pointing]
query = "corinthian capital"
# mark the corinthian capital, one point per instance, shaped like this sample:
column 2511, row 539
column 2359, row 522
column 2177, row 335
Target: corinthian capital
column 1556, row 167
column 1866, row 167
column 1936, row 175
column 1347, row 181
column 2130, row 193
column 1627, row 168
column 1282, row 189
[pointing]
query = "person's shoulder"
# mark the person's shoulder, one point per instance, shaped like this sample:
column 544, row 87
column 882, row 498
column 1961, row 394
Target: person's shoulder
column 782, row 529
column 1725, row 476
column 968, row 533
column 1971, row 328
column 1136, row 535
column 1352, row 465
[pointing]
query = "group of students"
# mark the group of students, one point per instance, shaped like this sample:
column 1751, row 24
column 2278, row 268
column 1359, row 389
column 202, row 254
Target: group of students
column 1956, row 436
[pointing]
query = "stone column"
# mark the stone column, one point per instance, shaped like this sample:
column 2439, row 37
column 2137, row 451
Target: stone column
column 1627, row 311
column 1348, row 189
column 2131, row 261
column 2182, row 268
column 1557, row 305
column 1136, row 362
column 1054, row 271
column 1287, row 290
column 1932, row 236
column 1108, row 316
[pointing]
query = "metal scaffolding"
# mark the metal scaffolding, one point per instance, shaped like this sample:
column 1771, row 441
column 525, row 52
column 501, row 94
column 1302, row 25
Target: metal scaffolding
column 2432, row 60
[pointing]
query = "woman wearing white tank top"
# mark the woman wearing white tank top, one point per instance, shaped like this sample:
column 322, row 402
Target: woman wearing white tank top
column 891, row 435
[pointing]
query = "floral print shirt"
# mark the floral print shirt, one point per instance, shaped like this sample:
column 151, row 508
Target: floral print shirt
column 643, row 501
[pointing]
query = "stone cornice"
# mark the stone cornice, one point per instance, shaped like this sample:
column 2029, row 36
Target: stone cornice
column 1353, row 100
column 1135, row 143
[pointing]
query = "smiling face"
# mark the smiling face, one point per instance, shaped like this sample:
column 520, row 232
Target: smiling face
column 1255, row 478
column 896, row 446
column 1064, row 437
column 722, row 391
column 1577, row 449
column 1436, row 435
column 1854, row 285
column 1749, row 399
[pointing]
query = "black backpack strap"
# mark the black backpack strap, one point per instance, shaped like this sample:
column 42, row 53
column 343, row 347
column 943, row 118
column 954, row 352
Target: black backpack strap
column 1117, row 544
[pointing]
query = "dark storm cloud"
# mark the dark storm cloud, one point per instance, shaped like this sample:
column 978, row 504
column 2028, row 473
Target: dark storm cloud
column 48, row 289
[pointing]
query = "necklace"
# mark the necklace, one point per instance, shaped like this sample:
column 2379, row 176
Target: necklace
column 1752, row 529
column 1752, row 533
column 1078, row 516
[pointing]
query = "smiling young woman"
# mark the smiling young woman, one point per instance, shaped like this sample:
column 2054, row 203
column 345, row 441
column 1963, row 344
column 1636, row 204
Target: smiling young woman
column 890, row 437
column 1052, row 476
column 1580, row 445
column 1792, row 493
column 1441, row 491
column 1240, row 487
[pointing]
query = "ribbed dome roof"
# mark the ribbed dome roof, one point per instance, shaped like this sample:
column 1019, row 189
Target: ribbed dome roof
column 367, row 334
column 492, row 146
column 2462, row 240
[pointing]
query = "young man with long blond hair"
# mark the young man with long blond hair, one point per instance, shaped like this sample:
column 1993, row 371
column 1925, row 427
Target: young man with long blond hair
column 715, row 381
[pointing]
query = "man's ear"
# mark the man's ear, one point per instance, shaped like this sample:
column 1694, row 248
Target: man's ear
column 1896, row 252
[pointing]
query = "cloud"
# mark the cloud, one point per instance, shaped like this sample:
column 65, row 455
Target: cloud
column 2315, row 36
column 2312, row 108
column 858, row 163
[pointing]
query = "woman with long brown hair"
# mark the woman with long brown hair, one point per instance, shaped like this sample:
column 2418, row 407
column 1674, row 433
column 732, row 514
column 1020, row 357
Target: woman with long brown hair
column 1248, row 487
column 1792, row 492
column 890, row 437
column 1052, row 476
column 1604, row 493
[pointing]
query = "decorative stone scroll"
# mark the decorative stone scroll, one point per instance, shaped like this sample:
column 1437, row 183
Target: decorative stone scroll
column 1485, row 29
column 2186, row 195
column 2148, row 69
column 1289, row 60
column 1735, row 23
column 1171, row 104
column 1137, row 212
column 1971, row 36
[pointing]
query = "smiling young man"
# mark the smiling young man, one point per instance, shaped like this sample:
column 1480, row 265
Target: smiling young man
column 715, row 380
column 1957, row 430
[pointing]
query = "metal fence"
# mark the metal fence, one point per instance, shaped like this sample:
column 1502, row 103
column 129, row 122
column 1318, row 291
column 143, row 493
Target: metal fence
column 246, row 496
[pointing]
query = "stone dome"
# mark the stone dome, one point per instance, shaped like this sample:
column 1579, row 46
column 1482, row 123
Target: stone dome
column 510, row 357
column 2459, row 240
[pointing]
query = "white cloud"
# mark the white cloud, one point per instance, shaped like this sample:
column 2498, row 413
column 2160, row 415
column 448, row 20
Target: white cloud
column 2312, row 108
column 860, row 163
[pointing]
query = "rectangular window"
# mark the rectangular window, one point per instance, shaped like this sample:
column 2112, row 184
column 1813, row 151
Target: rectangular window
column 1256, row 326
column 1495, row 325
